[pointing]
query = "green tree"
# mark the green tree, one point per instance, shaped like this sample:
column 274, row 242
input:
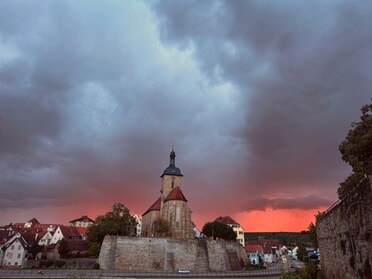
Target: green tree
column 302, row 253
column 63, row 249
column 115, row 222
column 356, row 150
column 162, row 226
column 309, row 271
column 312, row 233
column 35, row 248
column 219, row 230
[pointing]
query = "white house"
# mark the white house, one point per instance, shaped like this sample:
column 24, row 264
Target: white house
column 15, row 251
column 235, row 226
column 254, row 253
column 65, row 232
column 139, row 224
column 83, row 222
column 45, row 239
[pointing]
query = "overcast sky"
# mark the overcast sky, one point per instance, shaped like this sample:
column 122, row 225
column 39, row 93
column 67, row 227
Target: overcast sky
column 256, row 95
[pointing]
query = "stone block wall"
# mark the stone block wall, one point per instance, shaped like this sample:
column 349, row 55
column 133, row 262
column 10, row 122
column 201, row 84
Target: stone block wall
column 345, row 236
column 170, row 254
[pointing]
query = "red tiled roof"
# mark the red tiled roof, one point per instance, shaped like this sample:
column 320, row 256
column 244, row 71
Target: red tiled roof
column 45, row 227
column 82, row 219
column 176, row 194
column 21, row 240
column 154, row 207
column 77, row 245
column 226, row 220
column 33, row 221
column 5, row 236
column 253, row 248
column 272, row 242
column 30, row 237
column 41, row 234
column 18, row 225
column 81, row 230
column 253, row 242
column 69, row 232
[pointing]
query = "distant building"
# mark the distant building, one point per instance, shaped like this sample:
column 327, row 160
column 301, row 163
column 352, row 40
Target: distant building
column 83, row 221
column 271, row 249
column 139, row 224
column 235, row 226
column 66, row 233
column 170, row 208
column 31, row 223
column 255, row 253
column 15, row 251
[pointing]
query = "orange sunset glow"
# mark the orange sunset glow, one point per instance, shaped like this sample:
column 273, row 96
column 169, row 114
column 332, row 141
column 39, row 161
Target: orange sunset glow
column 254, row 102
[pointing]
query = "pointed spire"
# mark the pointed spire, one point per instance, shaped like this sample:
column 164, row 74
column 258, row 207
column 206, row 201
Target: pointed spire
column 172, row 169
column 172, row 156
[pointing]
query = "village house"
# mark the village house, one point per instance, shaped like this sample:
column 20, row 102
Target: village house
column 17, row 240
column 227, row 220
column 139, row 224
column 15, row 252
column 255, row 254
column 271, row 249
column 16, row 248
column 66, row 233
column 83, row 221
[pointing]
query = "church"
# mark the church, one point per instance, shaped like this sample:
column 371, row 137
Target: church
column 170, row 209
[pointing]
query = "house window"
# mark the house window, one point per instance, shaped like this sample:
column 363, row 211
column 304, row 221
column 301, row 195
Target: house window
column 12, row 247
column 16, row 263
column 18, row 256
column 19, row 247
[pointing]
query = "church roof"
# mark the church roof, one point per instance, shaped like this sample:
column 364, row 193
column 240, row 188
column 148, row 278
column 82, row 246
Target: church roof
column 172, row 169
column 176, row 194
column 82, row 219
column 154, row 207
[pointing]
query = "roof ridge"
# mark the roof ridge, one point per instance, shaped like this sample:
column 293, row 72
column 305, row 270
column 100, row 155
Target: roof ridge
column 176, row 194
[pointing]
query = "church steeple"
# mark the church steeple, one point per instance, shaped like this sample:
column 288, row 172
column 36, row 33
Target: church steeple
column 172, row 169
column 172, row 156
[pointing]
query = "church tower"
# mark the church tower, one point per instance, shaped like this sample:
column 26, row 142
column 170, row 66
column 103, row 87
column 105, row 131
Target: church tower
column 171, row 206
column 171, row 177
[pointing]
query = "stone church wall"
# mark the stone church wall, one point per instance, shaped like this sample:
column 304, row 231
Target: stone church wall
column 170, row 254
column 345, row 236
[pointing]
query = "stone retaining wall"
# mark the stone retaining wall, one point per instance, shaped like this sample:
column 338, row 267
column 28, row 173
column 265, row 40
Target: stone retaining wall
column 75, row 263
column 345, row 236
column 170, row 254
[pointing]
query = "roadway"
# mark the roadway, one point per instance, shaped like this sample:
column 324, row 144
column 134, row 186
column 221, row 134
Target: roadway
column 273, row 271
column 115, row 274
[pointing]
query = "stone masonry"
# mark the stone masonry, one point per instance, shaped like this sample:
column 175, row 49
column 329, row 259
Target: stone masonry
column 170, row 254
column 345, row 235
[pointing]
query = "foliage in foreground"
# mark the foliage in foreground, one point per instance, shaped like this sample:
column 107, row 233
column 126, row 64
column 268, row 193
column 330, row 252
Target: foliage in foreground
column 115, row 222
column 219, row 230
column 307, row 272
column 356, row 150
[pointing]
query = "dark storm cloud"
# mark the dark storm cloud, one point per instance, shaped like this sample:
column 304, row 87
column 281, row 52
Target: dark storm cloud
column 90, row 103
column 256, row 95
column 302, row 70
column 304, row 203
